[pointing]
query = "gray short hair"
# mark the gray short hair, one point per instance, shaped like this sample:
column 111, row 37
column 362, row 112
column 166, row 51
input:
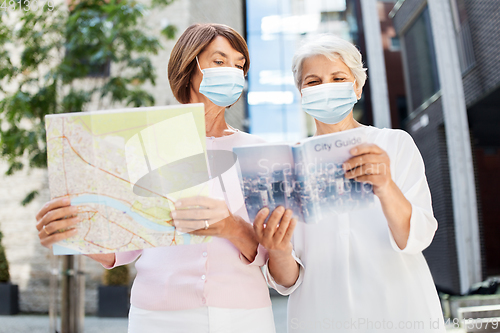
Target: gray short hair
column 331, row 47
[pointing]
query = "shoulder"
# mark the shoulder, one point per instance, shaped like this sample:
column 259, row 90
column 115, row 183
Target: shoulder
column 396, row 139
column 399, row 145
column 387, row 132
column 244, row 139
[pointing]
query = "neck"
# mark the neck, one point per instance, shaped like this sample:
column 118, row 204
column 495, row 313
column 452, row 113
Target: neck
column 347, row 123
column 215, row 123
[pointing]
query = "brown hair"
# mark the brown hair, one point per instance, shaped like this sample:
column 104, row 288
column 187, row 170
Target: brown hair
column 192, row 42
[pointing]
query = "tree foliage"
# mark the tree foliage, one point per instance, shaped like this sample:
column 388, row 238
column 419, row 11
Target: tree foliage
column 63, row 66
column 4, row 265
column 117, row 276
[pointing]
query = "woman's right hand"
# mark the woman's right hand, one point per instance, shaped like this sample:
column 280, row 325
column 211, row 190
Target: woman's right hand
column 276, row 237
column 55, row 221
column 277, row 233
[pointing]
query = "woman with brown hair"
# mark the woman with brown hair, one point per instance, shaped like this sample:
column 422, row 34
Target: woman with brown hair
column 210, row 287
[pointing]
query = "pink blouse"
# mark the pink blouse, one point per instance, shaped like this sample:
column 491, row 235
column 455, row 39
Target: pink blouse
column 208, row 274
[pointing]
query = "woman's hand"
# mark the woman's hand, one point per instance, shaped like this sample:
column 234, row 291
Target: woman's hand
column 194, row 214
column 276, row 237
column 370, row 164
column 276, row 234
column 203, row 216
column 56, row 221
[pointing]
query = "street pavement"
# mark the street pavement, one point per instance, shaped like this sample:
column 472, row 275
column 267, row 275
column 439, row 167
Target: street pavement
column 33, row 323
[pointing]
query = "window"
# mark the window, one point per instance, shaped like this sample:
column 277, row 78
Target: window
column 92, row 28
column 395, row 44
column 402, row 108
column 421, row 61
column 331, row 16
column 464, row 40
column 99, row 70
column 275, row 28
column 95, row 69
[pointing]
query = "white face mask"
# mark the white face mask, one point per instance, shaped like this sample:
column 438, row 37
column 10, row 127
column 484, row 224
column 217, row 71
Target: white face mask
column 329, row 103
column 222, row 85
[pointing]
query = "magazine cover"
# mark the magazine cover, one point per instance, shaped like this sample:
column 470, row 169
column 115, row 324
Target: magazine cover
column 306, row 177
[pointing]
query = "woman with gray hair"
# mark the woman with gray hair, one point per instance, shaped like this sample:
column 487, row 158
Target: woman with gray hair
column 361, row 271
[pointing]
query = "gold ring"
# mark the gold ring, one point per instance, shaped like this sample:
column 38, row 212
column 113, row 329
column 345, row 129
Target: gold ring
column 206, row 224
column 45, row 230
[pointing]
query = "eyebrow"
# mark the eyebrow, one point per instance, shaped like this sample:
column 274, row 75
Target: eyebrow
column 338, row 72
column 225, row 55
column 310, row 75
column 334, row 73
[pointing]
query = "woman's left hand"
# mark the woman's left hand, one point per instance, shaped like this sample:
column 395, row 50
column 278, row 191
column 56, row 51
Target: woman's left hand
column 369, row 164
column 202, row 216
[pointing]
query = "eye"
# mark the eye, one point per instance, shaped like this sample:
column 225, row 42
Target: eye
column 312, row 83
column 339, row 79
column 218, row 62
column 239, row 66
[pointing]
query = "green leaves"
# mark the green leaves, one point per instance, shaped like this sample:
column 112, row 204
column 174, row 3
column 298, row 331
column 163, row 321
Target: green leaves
column 29, row 197
column 138, row 98
column 66, row 58
column 4, row 265
column 117, row 276
column 169, row 31
column 14, row 166
column 162, row 2
column 75, row 100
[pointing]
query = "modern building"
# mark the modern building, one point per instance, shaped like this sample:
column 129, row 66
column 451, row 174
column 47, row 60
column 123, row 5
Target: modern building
column 432, row 71
column 451, row 66
column 274, row 30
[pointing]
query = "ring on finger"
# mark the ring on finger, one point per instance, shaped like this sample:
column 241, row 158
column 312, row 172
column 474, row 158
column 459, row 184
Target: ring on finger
column 206, row 224
column 45, row 230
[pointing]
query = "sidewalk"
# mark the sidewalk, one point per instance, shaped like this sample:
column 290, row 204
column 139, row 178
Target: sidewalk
column 32, row 323
column 26, row 323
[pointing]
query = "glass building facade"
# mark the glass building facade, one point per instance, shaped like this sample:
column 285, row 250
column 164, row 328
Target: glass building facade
column 275, row 29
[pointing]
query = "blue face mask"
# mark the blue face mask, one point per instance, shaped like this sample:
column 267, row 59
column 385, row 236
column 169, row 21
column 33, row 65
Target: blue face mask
column 329, row 103
column 222, row 85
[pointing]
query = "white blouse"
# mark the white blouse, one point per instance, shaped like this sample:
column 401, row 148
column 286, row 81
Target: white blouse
column 353, row 275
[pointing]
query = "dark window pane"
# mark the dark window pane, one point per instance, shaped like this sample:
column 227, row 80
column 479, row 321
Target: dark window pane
column 99, row 70
column 421, row 60
column 331, row 16
column 395, row 44
column 402, row 107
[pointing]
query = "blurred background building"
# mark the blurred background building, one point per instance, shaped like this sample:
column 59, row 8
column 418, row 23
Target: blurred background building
column 438, row 61
column 432, row 71
column 450, row 55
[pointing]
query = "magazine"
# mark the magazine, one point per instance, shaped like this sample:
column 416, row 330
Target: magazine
column 306, row 177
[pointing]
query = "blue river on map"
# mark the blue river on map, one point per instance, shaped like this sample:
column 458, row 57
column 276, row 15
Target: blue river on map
column 113, row 203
